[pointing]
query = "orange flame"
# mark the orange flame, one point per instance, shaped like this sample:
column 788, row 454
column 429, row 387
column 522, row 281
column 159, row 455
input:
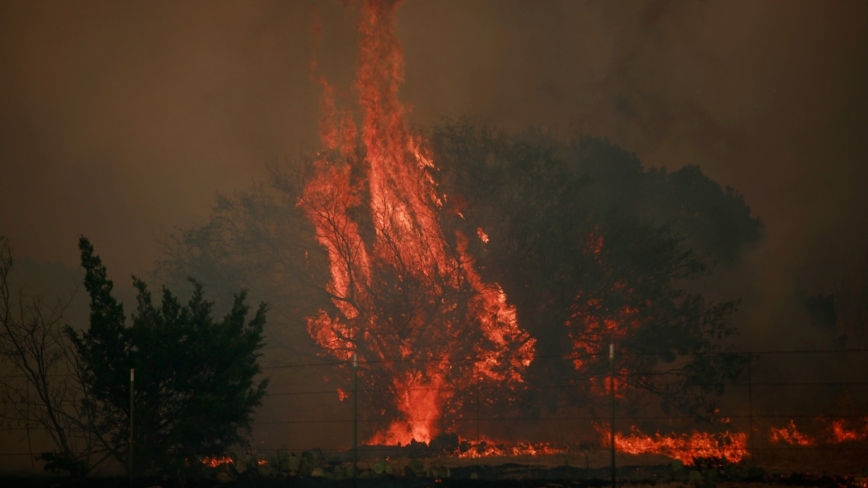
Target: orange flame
column 405, row 296
column 216, row 461
column 342, row 395
column 486, row 447
column 731, row 446
column 789, row 435
column 840, row 432
column 834, row 431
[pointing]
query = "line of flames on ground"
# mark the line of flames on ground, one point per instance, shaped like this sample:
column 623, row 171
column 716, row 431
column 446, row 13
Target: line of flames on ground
column 832, row 431
column 685, row 447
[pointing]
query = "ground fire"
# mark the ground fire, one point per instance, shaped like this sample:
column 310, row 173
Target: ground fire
column 215, row 461
column 831, row 431
column 729, row 446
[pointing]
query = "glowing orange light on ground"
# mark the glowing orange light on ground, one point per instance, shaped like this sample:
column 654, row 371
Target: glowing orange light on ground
column 216, row 461
column 731, row 446
column 789, row 434
column 834, row 431
column 840, row 432
column 487, row 447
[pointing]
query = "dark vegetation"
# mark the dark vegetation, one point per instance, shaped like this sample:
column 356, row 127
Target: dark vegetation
column 195, row 383
column 705, row 472
column 592, row 248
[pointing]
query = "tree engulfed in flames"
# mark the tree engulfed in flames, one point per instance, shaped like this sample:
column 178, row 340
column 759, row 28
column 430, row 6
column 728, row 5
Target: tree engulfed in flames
column 407, row 297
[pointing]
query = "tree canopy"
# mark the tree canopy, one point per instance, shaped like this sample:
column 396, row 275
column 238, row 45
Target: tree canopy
column 593, row 248
column 196, row 385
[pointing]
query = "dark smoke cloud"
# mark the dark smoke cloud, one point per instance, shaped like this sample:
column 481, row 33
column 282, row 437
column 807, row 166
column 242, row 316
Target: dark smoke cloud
column 120, row 121
column 767, row 97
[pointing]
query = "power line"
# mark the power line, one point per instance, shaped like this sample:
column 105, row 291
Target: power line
column 569, row 357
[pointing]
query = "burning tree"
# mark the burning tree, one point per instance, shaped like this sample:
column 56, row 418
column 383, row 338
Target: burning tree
column 406, row 296
column 593, row 249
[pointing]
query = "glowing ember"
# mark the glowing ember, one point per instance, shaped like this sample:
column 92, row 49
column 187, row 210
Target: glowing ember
column 482, row 235
column 684, row 447
column 407, row 299
column 342, row 395
column 789, row 435
column 215, row 461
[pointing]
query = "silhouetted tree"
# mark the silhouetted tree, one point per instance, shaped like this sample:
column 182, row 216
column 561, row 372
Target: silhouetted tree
column 41, row 393
column 196, row 387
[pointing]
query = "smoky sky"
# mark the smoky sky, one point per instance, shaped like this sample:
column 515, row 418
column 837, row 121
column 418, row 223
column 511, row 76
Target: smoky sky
column 122, row 120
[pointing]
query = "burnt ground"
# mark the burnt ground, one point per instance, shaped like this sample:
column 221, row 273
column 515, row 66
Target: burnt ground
column 503, row 476
column 794, row 466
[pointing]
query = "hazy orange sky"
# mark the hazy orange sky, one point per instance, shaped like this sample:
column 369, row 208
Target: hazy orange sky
column 122, row 120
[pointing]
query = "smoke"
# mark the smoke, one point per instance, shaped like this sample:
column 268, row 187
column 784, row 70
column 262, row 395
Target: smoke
column 766, row 98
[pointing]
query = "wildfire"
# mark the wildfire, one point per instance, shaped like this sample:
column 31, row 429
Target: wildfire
column 489, row 448
column 407, row 299
column 216, row 461
column 789, row 435
column 834, row 431
column 731, row 446
column 840, row 432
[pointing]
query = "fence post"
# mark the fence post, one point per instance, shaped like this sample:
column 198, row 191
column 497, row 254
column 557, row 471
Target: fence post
column 132, row 416
column 477, row 410
column 750, row 403
column 355, row 418
column 612, row 395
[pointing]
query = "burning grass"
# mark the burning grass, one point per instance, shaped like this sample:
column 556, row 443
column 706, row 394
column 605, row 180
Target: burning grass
column 789, row 465
column 728, row 446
